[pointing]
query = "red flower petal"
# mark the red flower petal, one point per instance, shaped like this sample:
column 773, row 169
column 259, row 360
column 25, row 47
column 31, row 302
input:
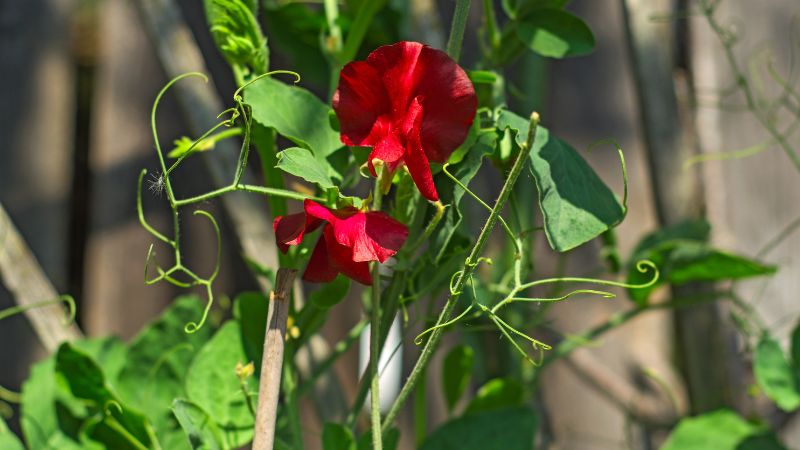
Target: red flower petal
column 320, row 269
column 379, row 101
column 341, row 258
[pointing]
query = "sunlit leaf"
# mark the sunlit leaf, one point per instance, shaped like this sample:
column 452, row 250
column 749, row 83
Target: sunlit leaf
column 212, row 384
column 301, row 163
column 720, row 430
column 496, row 394
column 294, row 113
column 555, row 33
column 577, row 206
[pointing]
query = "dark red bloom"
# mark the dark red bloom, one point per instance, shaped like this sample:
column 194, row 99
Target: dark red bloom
column 350, row 239
column 411, row 103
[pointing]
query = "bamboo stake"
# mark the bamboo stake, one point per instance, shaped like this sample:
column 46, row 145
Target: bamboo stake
column 272, row 361
column 24, row 278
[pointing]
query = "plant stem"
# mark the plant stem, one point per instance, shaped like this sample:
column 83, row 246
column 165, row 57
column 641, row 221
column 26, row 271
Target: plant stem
column 466, row 273
column 374, row 329
column 460, row 17
column 272, row 361
column 246, row 188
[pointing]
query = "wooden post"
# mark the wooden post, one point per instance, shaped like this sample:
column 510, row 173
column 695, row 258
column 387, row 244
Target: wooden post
column 701, row 335
column 272, row 360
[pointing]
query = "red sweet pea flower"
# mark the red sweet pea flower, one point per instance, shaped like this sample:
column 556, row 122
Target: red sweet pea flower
column 411, row 103
column 350, row 239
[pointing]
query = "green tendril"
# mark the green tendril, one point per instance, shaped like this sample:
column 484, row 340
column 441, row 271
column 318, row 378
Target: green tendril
column 217, row 233
column 603, row 294
column 140, row 212
column 10, row 396
column 624, row 168
column 112, row 404
column 237, row 98
column 69, row 317
column 642, row 266
column 194, row 327
column 480, row 201
column 418, row 340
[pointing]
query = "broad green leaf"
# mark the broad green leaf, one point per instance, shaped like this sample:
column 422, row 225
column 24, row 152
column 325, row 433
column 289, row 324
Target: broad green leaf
column 685, row 261
column 212, row 384
column 237, row 34
column 690, row 230
column 507, row 429
column 250, row 309
column 84, row 378
column 86, row 381
column 576, row 205
column 337, row 437
column 330, row 294
column 497, row 394
column 451, row 194
column 294, row 113
column 158, row 359
column 8, row 440
column 515, row 8
column 719, row 430
column 301, row 163
column 200, row 429
column 51, row 417
column 698, row 262
column 456, row 373
column 555, row 33
column 775, row 375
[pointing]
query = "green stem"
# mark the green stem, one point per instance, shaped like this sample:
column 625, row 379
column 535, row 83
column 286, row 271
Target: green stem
column 466, row 273
column 460, row 17
column 374, row 329
column 246, row 188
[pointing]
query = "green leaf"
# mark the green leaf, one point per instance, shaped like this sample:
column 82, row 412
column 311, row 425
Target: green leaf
column 301, row 163
column 719, row 430
column 51, row 417
column 691, row 230
column 555, row 33
column 482, row 76
column 158, row 359
column 456, row 373
column 237, row 34
column 337, row 437
column 295, row 113
column 330, row 294
column 212, row 384
column 507, row 429
column 250, row 309
column 8, row 440
column 84, row 378
column 682, row 261
column 775, row 375
column 577, row 206
column 86, row 381
column 496, row 394
column 200, row 429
